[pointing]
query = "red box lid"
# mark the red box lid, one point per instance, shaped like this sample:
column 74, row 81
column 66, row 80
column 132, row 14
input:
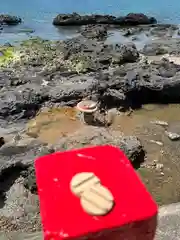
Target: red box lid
column 61, row 212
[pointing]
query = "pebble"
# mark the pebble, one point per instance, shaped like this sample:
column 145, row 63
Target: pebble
column 111, row 114
column 154, row 163
column 172, row 136
column 44, row 83
column 157, row 142
column 161, row 123
column 2, row 141
column 159, row 166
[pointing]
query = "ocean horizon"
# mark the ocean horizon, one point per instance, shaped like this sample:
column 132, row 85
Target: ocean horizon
column 37, row 15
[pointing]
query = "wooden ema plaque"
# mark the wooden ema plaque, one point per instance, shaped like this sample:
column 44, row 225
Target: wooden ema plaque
column 93, row 193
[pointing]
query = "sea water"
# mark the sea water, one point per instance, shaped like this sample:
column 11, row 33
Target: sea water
column 37, row 15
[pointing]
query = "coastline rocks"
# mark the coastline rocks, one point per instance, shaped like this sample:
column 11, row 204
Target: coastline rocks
column 19, row 205
column 173, row 131
column 163, row 30
column 98, row 32
column 9, row 20
column 125, row 53
column 75, row 19
column 21, row 154
column 134, row 19
column 148, row 83
column 92, row 136
column 16, row 156
column 20, row 212
column 160, row 47
column 62, row 73
column 21, row 103
column 93, row 55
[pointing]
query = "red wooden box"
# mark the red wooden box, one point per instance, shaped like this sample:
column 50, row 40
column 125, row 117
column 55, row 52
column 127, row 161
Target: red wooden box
column 134, row 214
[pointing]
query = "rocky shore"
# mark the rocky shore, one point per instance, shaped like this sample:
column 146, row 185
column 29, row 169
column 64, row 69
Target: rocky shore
column 62, row 73
column 40, row 75
column 6, row 19
column 74, row 19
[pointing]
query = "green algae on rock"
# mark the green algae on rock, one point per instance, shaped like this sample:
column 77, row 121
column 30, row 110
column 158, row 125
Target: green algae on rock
column 8, row 55
column 80, row 63
column 75, row 55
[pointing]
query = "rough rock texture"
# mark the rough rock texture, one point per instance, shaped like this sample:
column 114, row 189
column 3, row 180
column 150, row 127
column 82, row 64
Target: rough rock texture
column 45, row 76
column 168, row 216
column 76, row 19
column 21, row 210
column 17, row 155
column 19, row 206
column 62, row 73
column 94, row 31
column 92, row 136
column 41, row 73
column 163, row 30
column 159, row 47
column 9, row 20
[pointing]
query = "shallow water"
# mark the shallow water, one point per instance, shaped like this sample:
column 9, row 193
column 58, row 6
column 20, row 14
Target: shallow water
column 51, row 124
column 38, row 14
column 116, row 36
column 150, row 112
column 162, row 184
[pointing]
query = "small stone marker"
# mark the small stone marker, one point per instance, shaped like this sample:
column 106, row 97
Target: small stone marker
column 87, row 108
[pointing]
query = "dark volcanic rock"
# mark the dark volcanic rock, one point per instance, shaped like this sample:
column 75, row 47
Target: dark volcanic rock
column 29, row 176
column 134, row 84
column 154, row 49
column 26, row 150
column 9, row 20
column 2, row 141
column 125, row 53
column 94, row 31
column 127, row 32
column 76, row 19
column 19, row 208
column 21, row 152
column 101, row 53
column 134, row 19
column 158, row 31
column 155, row 82
column 78, row 68
column 92, row 136
column 160, row 47
column 18, row 155
column 23, row 102
column 163, row 30
column 20, row 212
column 19, row 205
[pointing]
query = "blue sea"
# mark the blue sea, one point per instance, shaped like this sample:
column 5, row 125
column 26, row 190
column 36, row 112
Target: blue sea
column 37, row 15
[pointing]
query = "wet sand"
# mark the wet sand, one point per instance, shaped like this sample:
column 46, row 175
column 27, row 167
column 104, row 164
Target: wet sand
column 51, row 124
column 160, row 172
